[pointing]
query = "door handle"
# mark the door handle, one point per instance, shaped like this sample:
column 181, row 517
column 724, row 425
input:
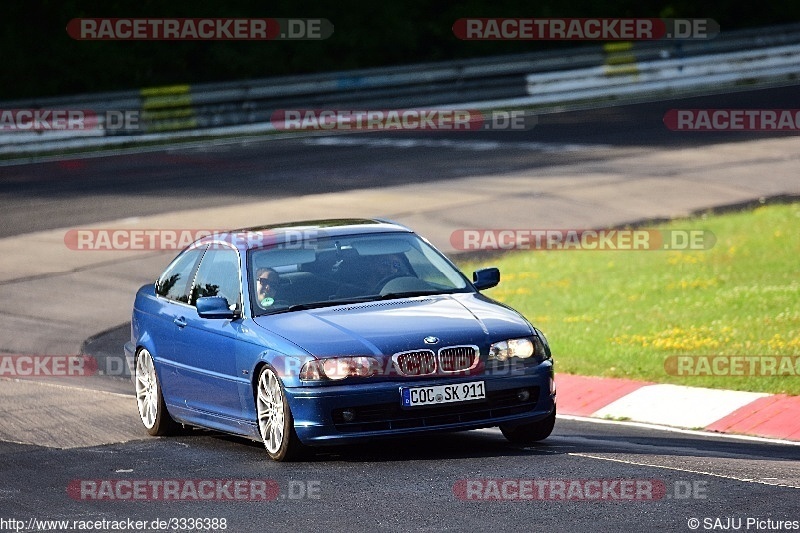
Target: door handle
column 180, row 322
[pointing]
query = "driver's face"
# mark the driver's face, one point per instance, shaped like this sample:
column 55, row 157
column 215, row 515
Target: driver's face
column 267, row 283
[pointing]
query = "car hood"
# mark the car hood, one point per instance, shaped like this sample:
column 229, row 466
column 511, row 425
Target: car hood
column 390, row 326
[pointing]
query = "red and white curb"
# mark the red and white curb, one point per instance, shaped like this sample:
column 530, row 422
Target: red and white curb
column 745, row 413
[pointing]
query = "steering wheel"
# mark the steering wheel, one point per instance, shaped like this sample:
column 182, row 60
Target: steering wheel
column 387, row 279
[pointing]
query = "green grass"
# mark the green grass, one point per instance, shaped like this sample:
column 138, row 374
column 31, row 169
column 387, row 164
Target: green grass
column 622, row 313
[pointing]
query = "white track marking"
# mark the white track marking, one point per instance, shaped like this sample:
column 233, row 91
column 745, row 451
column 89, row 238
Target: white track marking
column 695, row 432
column 477, row 146
column 687, row 470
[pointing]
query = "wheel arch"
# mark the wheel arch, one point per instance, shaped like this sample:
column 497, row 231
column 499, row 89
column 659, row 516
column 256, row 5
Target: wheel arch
column 286, row 367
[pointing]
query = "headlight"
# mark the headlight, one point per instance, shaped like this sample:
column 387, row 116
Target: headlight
column 519, row 348
column 522, row 348
column 337, row 368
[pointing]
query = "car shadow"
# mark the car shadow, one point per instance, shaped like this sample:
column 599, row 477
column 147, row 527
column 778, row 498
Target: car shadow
column 447, row 445
column 487, row 443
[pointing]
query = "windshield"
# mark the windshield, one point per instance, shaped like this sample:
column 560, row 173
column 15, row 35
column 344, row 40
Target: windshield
column 332, row 270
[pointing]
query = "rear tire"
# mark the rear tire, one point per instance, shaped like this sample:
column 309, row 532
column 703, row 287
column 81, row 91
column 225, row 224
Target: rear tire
column 525, row 434
column 152, row 408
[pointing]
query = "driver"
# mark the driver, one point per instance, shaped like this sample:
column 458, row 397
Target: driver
column 267, row 286
column 385, row 268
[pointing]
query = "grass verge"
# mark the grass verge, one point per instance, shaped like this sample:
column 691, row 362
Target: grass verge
column 625, row 313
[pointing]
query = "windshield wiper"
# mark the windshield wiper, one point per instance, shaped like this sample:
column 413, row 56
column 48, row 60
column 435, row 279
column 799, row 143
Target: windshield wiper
column 362, row 299
column 409, row 294
column 330, row 303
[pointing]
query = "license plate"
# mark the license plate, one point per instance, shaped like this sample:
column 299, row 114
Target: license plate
column 438, row 394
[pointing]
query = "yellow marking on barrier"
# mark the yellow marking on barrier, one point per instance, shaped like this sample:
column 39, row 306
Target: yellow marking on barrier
column 168, row 108
column 164, row 91
column 161, row 102
column 620, row 59
column 612, row 48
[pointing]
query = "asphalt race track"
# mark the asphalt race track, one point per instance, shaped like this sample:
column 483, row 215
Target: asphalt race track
column 440, row 482
column 408, row 485
column 81, row 191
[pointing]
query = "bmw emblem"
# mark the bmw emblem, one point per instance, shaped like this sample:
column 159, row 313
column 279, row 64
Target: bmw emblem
column 431, row 339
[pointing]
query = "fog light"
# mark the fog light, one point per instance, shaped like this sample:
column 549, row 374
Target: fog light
column 348, row 415
column 523, row 395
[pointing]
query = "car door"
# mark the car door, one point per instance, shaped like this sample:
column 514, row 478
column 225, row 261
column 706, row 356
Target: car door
column 173, row 289
column 205, row 348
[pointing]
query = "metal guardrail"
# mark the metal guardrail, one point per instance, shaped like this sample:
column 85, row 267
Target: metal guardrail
column 598, row 72
column 669, row 76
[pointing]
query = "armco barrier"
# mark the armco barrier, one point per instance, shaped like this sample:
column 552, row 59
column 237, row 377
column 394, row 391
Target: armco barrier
column 588, row 75
column 671, row 76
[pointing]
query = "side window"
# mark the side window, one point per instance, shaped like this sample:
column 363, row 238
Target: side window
column 174, row 282
column 218, row 275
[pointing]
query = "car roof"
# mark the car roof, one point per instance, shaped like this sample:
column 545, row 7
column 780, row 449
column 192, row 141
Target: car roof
column 281, row 233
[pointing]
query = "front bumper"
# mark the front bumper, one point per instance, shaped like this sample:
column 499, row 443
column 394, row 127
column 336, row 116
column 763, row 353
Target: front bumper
column 318, row 411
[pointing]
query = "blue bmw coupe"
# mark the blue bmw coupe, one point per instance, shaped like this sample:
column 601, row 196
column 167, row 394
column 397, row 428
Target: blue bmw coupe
column 327, row 332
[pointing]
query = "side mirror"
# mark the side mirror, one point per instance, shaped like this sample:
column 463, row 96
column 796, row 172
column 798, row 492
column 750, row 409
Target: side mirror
column 486, row 278
column 214, row 307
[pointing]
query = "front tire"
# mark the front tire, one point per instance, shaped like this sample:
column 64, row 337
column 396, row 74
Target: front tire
column 150, row 401
column 525, row 434
column 275, row 422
